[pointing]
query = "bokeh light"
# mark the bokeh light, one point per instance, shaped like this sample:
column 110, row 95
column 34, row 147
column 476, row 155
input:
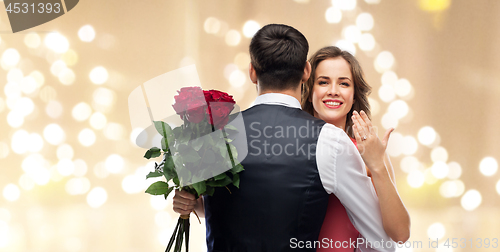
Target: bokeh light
column 65, row 167
column 98, row 75
column 28, row 85
column 66, row 76
column 4, row 150
column 455, row 170
column 395, row 144
column 333, row 15
column 56, row 42
column 410, row 145
column 103, row 99
column 19, row 141
column 97, row 197
column 389, row 121
column 237, row 78
column 434, row 5
column 87, row 137
column 212, row 25
column 35, row 142
column 114, row 163
column 409, row 164
column 436, row 231
column 250, row 28
column 386, row 93
column 54, row 134
column 98, row 120
column 346, row 46
column 403, row 88
column 471, row 200
column 439, row 154
column 10, row 57
column 15, row 119
column 398, row 108
column 453, row 188
column 57, row 67
column 351, row 33
column 77, row 186
column 427, row 135
column 233, row 38
column 86, row 33
column 11, row 192
column 366, row 42
column 345, row 5
column 488, row 166
column 384, row 61
column 440, row 169
column 242, row 60
column 415, row 179
column 80, row 168
column 158, row 202
column 114, row 131
column 429, row 177
column 365, row 21
column 54, row 109
column 81, row 111
column 498, row 187
column 65, row 151
column 32, row 40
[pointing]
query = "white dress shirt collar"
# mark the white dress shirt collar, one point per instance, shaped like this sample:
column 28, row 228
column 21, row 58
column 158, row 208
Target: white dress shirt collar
column 277, row 99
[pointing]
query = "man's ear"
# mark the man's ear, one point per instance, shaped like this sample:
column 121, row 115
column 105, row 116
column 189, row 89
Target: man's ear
column 252, row 73
column 307, row 72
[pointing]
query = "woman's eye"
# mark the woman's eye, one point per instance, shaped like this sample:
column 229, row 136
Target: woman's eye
column 322, row 82
column 344, row 84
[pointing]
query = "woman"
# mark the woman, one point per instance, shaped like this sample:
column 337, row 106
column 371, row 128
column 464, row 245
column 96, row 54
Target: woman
column 335, row 92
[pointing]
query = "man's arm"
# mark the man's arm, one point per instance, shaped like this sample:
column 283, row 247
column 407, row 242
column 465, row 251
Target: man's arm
column 342, row 172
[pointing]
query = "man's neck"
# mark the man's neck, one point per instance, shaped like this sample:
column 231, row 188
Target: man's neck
column 294, row 93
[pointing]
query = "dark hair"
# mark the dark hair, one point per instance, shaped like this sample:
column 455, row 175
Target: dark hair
column 361, row 88
column 278, row 54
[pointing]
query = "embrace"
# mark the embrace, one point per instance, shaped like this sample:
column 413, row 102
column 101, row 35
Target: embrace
column 317, row 177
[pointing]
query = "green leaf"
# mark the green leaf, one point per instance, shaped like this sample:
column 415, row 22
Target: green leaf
column 233, row 151
column 230, row 127
column 220, row 176
column 154, row 174
column 164, row 144
column 170, row 189
column 236, row 180
column 209, row 157
column 191, row 156
column 237, row 168
column 197, row 143
column 163, row 128
column 220, row 183
column 210, row 191
column 152, row 153
column 200, row 187
column 169, row 168
column 176, row 181
column 158, row 188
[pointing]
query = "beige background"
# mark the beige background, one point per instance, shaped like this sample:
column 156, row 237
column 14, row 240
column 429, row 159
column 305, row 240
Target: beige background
column 449, row 55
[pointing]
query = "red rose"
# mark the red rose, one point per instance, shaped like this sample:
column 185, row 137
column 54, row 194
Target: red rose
column 190, row 103
column 220, row 104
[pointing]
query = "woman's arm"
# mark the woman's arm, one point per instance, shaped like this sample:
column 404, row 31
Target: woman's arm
column 395, row 217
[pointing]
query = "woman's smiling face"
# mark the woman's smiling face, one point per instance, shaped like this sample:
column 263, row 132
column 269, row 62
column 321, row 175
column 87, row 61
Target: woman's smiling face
column 333, row 91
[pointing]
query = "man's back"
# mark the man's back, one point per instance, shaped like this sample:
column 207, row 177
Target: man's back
column 280, row 196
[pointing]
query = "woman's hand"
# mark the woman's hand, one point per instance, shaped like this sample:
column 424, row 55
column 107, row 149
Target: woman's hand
column 371, row 148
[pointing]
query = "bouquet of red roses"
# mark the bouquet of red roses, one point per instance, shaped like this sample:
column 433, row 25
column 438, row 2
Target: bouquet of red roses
column 198, row 155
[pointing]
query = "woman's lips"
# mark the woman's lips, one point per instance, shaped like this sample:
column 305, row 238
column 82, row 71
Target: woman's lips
column 332, row 104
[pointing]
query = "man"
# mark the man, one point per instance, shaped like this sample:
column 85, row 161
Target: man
column 294, row 161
